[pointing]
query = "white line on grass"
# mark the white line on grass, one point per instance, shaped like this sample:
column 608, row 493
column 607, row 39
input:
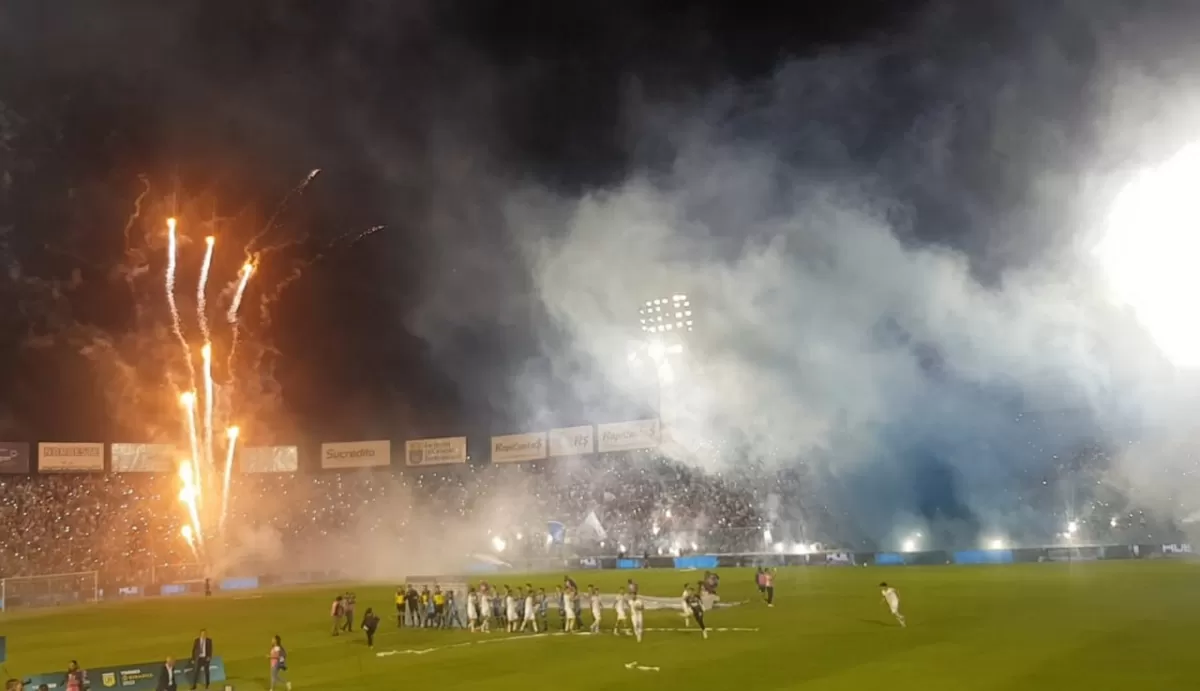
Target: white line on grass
column 530, row 637
column 635, row 665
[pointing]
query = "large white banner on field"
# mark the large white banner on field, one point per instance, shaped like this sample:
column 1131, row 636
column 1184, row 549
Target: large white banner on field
column 269, row 459
column 144, row 458
column 572, row 441
column 356, row 454
column 629, row 436
column 443, row 451
column 515, row 448
column 66, row 457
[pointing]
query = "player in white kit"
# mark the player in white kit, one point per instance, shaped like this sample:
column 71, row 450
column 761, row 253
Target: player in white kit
column 472, row 610
column 892, row 598
column 638, row 609
column 485, row 611
column 597, row 609
column 510, row 611
column 530, row 612
column 622, row 607
column 683, row 605
column 569, row 606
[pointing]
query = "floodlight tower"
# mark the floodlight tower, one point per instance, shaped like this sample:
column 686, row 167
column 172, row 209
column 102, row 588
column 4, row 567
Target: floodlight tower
column 665, row 323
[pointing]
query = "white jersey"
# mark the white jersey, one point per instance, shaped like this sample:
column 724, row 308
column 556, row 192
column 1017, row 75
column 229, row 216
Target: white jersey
column 510, row 606
column 637, row 607
column 485, row 606
column 892, row 598
column 621, row 605
column 569, row 606
column 597, row 607
column 472, row 608
column 683, row 602
column 530, row 610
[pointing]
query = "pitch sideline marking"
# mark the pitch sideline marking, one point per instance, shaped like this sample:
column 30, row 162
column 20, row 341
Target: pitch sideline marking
column 643, row 668
column 509, row 639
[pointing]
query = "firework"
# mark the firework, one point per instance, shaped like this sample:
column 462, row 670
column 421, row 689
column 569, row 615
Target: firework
column 190, row 538
column 188, row 401
column 231, row 434
column 206, row 354
column 188, row 494
column 201, row 293
column 232, row 315
column 176, row 323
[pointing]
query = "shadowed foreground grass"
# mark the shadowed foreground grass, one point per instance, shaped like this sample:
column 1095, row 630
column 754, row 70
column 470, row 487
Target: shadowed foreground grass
column 1093, row 626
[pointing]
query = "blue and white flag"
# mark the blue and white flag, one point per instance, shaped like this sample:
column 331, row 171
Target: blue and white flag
column 557, row 532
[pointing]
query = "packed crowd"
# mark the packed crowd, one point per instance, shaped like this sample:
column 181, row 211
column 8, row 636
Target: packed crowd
column 129, row 524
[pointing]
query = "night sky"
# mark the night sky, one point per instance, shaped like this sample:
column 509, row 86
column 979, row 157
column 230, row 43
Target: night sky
column 399, row 104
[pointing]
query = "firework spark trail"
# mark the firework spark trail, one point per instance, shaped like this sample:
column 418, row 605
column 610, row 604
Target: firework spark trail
column 202, row 288
column 137, row 208
column 176, row 325
column 283, row 205
column 232, row 435
column 189, row 495
column 269, row 298
column 188, row 400
column 206, row 353
column 190, row 538
column 232, row 315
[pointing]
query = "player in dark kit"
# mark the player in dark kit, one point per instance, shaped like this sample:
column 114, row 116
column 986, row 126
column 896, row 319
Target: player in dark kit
column 370, row 623
column 697, row 607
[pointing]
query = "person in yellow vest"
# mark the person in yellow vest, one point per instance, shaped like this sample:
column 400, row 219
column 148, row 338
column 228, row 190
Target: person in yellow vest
column 439, row 608
column 400, row 607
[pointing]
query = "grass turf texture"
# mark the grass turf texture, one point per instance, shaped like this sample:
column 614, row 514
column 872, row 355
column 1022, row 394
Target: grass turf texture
column 1099, row 625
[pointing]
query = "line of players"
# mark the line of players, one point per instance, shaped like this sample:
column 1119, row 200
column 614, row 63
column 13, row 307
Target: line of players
column 527, row 609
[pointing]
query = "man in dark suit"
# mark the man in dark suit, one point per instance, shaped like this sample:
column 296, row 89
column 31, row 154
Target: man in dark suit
column 202, row 654
column 166, row 676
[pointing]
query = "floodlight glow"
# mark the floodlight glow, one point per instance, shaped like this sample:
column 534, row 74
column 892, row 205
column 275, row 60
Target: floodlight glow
column 767, row 535
column 778, row 548
column 910, row 545
column 996, row 543
column 1149, row 250
column 499, row 544
column 1072, row 528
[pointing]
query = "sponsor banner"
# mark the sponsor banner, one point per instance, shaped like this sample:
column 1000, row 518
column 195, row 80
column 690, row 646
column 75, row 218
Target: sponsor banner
column 144, row 458
column 443, row 451
column 629, row 436
column 14, row 457
column 65, row 457
column 269, row 459
column 839, row 558
column 515, row 448
column 356, row 454
column 978, row 556
column 1177, row 549
column 139, row 676
column 572, row 441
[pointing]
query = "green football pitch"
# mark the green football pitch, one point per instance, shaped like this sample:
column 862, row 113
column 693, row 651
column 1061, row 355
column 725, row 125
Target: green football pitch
column 1098, row 625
